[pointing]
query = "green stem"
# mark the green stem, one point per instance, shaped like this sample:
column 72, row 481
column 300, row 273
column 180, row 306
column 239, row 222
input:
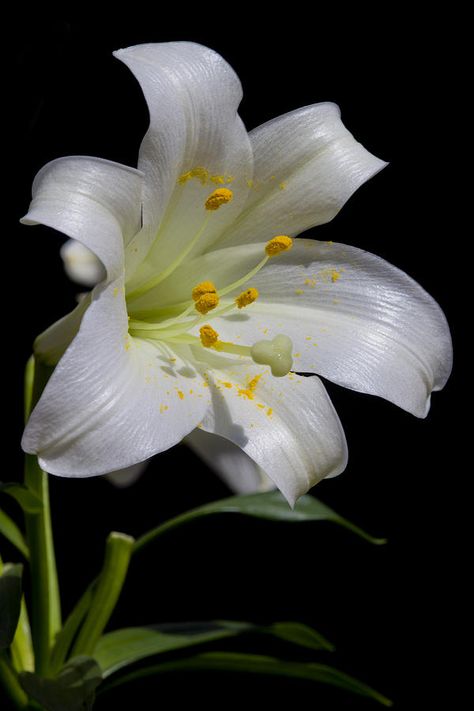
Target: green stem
column 10, row 683
column 106, row 592
column 46, row 610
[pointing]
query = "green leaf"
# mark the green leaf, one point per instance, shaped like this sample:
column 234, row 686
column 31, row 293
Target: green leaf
column 66, row 635
column 297, row 633
column 10, row 602
column 270, row 505
column 120, row 648
column 28, row 501
column 73, row 689
column 126, row 646
column 105, row 592
column 256, row 664
column 12, row 533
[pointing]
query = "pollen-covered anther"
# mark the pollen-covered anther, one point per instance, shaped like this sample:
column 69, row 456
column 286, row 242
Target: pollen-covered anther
column 281, row 243
column 276, row 353
column 246, row 297
column 205, row 287
column 206, row 303
column 208, row 336
column 218, row 197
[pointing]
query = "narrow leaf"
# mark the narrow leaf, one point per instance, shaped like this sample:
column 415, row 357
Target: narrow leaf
column 126, row 646
column 106, row 592
column 12, row 533
column 10, row 602
column 299, row 634
column 66, row 635
column 270, row 506
column 256, row 664
column 28, row 501
column 73, row 689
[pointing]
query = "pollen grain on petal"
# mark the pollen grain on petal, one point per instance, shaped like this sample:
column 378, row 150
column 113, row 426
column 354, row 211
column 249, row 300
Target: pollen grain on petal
column 218, row 197
column 205, row 287
column 208, row 336
column 200, row 173
column 246, row 297
column 280, row 243
column 206, row 303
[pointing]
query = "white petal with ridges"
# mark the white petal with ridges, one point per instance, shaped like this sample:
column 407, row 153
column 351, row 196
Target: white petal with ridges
column 192, row 96
column 241, row 474
column 94, row 201
column 113, row 401
column 306, row 166
column 288, row 425
column 353, row 318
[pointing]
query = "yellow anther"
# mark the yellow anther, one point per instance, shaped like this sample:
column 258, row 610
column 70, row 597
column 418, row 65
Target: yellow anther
column 246, row 297
column 209, row 337
column 278, row 244
column 205, row 287
column 206, row 303
column 217, row 198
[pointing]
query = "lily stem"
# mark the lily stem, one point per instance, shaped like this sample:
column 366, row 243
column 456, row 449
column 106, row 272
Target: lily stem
column 46, row 610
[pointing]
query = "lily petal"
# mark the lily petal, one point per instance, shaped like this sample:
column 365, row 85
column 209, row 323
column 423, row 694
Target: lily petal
column 241, row 474
column 192, row 96
column 127, row 402
column 354, row 319
column 123, row 478
column 288, row 425
column 306, row 166
column 94, row 201
column 80, row 264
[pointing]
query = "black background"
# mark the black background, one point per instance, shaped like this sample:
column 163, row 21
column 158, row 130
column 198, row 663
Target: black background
column 389, row 610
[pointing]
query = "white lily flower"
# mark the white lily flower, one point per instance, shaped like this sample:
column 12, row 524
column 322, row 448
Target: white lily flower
column 205, row 312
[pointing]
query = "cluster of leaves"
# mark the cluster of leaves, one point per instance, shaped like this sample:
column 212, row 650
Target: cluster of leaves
column 83, row 657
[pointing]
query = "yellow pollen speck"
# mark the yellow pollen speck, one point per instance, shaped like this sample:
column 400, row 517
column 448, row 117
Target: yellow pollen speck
column 246, row 297
column 227, row 385
column 278, row 244
column 265, row 331
column 297, row 355
column 250, row 183
column 205, row 287
column 308, row 338
column 219, row 197
column 282, row 185
column 310, row 282
column 270, row 411
column 206, row 303
column 259, row 404
column 200, row 173
column 208, row 336
column 163, row 408
column 116, row 291
column 180, row 394
column 298, row 292
column 249, row 391
column 335, row 275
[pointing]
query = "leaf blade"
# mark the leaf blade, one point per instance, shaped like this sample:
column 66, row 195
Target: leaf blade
column 10, row 602
column 12, row 533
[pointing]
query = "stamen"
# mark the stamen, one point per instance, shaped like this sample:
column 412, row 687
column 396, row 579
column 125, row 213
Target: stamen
column 206, row 303
column 281, row 243
column 209, row 337
column 276, row 354
column 219, row 197
column 205, row 287
column 246, row 297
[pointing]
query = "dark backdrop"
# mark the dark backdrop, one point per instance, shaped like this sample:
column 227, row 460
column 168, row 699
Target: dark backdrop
column 387, row 609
